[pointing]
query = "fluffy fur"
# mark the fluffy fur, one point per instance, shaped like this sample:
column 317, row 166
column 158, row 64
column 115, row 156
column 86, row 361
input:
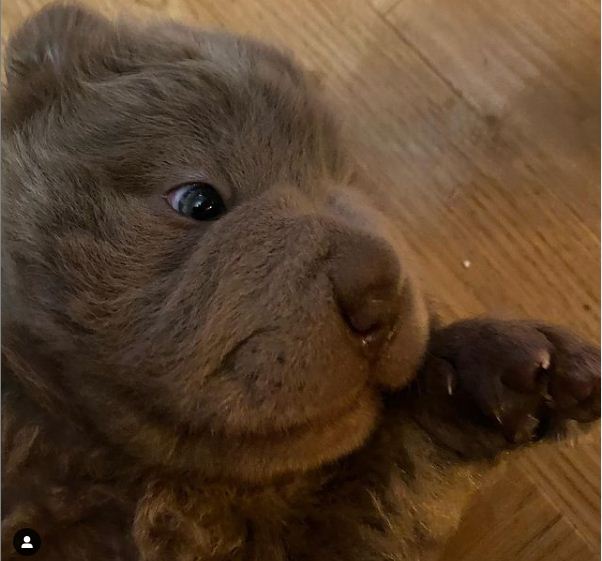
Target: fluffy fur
column 257, row 387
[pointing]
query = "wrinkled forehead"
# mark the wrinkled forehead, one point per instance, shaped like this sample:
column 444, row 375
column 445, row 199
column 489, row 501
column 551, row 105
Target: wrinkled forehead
column 237, row 113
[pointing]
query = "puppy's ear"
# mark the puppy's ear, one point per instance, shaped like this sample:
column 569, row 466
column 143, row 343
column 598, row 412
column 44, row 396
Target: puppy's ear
column 47, row 53
column 53, row 41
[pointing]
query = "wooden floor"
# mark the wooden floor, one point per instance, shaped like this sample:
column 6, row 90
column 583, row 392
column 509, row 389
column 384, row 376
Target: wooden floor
column 483, row 116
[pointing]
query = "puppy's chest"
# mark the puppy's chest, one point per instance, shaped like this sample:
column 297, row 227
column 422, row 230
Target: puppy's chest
column 362, row 527
column 366, row 507
column 344, row 518
column 383, row 502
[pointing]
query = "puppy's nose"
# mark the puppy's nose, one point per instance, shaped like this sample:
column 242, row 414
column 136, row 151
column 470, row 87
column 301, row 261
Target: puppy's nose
column 366, row 277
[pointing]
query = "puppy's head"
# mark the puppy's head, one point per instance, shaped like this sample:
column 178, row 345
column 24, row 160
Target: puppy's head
column 187, row 268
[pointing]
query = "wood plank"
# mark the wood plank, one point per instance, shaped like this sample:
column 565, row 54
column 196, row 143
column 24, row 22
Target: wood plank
column 384, row 6
column 489, row 529
column 570, row 477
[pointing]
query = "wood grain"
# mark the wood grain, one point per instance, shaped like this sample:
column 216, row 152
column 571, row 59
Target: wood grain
column 483, row 118
column 544, row 533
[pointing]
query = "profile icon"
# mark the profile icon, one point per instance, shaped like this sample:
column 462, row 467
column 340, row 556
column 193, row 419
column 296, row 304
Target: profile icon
column 26, row 541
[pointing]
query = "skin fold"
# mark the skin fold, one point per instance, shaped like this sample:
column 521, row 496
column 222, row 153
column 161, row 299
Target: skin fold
column 268, row 385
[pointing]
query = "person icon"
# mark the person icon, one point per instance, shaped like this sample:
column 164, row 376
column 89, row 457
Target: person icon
column 27, row 542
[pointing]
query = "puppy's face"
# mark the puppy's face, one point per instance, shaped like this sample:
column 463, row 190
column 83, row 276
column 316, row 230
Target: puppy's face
column 184, row 251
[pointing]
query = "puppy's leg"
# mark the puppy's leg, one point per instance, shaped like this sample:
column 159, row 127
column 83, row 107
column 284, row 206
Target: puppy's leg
column 488, row 386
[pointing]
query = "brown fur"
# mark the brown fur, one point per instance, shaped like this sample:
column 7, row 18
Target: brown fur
column 183, row 390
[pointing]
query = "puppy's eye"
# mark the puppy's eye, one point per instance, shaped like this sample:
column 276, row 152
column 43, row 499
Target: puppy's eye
column 199, row 201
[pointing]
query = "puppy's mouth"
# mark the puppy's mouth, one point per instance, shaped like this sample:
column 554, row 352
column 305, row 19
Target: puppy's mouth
column 335, row 414
column 305, row 445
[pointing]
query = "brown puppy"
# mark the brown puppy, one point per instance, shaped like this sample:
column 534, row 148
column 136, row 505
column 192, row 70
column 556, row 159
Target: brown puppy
column 213, row 345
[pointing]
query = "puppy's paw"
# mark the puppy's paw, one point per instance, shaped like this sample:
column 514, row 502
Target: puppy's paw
column 492, row 384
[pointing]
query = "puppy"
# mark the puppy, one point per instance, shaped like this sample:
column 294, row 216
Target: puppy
column 213, row 344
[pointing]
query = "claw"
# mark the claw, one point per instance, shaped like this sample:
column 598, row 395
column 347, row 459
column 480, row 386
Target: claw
column 450, row 384
column 498, row 416
column 531, row 423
